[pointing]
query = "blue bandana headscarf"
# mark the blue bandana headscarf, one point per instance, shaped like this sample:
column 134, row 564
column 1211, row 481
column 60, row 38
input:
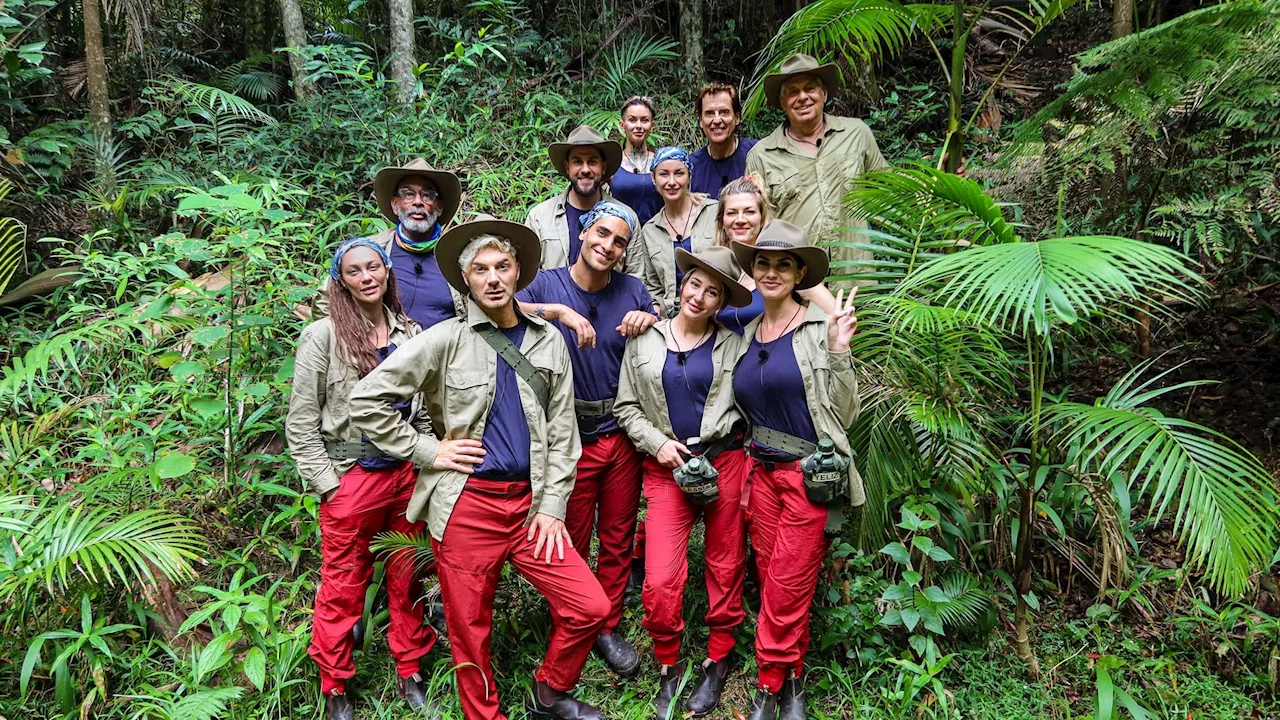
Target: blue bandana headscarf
column 671, row 153
column 609, row 207
column 335, row 270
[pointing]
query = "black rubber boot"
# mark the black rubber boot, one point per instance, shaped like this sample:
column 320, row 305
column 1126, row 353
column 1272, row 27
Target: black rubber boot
column 635, row 581
column 706, row 694
column 664, row 703
column 764, row 706
column 791, row 699
column 413, row 692
column 338, row 707
column 546, row 701
column 618, row 654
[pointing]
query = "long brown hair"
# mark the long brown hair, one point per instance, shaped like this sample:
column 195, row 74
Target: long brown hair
column 351, row 327
column 741, row 186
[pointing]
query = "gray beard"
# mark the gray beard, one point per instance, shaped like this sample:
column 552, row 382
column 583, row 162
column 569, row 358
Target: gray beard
column 418, row 226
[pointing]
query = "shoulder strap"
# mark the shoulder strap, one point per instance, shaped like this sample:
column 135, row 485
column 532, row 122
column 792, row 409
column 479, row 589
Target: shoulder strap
column 518, row 362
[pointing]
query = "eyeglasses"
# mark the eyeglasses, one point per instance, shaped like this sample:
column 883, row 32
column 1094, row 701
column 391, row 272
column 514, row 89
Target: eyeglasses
column 408, row 194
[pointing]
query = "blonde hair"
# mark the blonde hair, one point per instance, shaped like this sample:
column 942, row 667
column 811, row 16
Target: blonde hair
column 741, row 186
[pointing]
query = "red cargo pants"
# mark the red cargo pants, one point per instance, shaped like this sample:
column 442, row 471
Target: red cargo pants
column 486, row 530
column 787, row 533
column 367, row 502
column 606, row 499
column 666, row 570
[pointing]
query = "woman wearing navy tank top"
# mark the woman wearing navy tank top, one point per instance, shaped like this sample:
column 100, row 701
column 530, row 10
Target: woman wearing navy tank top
column 632, row 184
column 794, row 382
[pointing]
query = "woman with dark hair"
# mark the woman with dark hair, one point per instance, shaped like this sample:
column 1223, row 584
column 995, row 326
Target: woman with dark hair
column 675, row 401
column 740, row 215
column 794, row 382
column 632, row 184
column 362, row 491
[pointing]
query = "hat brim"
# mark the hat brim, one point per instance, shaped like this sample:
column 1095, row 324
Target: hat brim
column 814, row 259
column 388, row 179
column 451, row 244
column 739, row 296
column 829, row 74
column 612, row 152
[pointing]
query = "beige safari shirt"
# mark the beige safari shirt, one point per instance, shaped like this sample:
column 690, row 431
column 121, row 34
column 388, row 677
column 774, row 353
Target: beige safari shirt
column 547, row 218
column 830, row 386
column 657, row 254
column 809, row 191
column 318, row 407
column 456, row 371
column 641, row 407
column 320, row 303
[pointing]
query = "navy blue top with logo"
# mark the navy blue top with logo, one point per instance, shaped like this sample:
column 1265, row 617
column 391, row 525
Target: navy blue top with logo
column 573, row 216
column 737, row 319
column 711, row 175
column 770, row 390
column 423, row 290
column 506, row 430
column 636, row 190
column 404, row 407
column 595, row 370
column 686, row 380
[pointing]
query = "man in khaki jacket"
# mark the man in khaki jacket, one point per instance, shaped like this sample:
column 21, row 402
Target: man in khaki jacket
column 587, row 160
column 496, row 464
column 809, row 162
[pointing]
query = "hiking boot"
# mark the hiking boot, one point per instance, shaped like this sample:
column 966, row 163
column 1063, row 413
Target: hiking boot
column 338, row 707
column 668, row 690
column 618, row 654
column 706, row 694
column 546, row 701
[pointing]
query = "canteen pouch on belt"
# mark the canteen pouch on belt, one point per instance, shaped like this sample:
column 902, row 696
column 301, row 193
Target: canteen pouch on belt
column 590, row 413
column 826, row 474
column 697, row 477
column 587, row 429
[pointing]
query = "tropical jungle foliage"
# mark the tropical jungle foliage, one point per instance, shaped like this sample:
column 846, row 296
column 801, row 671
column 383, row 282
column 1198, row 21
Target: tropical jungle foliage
column 1068, row 350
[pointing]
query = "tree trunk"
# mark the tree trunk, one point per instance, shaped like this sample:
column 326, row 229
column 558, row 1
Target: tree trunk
column 1121, row 18
column 256, row 33
column 96, row 69
column 691, row 35
column 402, row 60
column 295, row 36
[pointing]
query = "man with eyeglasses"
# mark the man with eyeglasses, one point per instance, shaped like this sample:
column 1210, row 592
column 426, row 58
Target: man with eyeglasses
column 420, row 200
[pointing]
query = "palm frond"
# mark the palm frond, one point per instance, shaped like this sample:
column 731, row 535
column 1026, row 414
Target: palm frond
column 418, row 545
column 923, row 201
column 14, row 510
column 620, row 77
column 13, row 242
column 217, row 100
column 965, row 600
column 1023, row 286
column 859, row 30
column 101, row 545
column 1225, row 505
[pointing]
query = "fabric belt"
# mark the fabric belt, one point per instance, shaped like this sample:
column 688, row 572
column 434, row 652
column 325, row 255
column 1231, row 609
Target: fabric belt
column 355, row 450
column 785, row 442
column 712, row 450
column 593, row 408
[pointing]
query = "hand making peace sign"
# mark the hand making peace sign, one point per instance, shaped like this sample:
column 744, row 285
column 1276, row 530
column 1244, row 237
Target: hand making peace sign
column 843, row 323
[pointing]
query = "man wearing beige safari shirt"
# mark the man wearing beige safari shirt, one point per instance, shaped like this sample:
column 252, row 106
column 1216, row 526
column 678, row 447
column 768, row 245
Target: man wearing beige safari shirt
column 808, row 163
column 496, row 463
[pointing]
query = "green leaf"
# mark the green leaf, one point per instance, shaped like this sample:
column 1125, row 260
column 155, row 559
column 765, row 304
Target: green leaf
column 255, row 667
column 173, row 465
column 911, row 577
column 910, row 618
column 186, row 369
column 1106, row 695
column 922, row 543
column 897, row 593
column 938, row 554
column 208, row 407
column 898, row 552
column 934, row 594
column 209, row 335
column 1032, row 601
column 929, row 618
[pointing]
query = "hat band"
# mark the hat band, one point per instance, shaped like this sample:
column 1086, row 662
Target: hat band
column 780, row 244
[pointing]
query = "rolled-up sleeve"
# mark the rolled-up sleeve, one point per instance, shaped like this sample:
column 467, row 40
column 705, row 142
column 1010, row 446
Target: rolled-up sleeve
column 303, row 423
column 406, row 372
column 564, row 446
column 630, row 412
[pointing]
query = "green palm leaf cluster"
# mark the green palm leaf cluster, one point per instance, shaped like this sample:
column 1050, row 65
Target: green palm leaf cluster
column 861, row 30
column 13, row 242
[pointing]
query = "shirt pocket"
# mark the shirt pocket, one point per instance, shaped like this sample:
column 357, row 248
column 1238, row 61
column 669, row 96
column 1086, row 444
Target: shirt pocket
column 784, row 188
column 466, row 396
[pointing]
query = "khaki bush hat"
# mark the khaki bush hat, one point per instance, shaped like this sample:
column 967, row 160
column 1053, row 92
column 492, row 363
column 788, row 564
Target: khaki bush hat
column 590, row 137
column 454, row 240
column 388, row 179
column 720, row 264
column 782, row 235
column 796, row 65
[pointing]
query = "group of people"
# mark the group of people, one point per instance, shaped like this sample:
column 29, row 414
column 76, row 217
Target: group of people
column 660, row 328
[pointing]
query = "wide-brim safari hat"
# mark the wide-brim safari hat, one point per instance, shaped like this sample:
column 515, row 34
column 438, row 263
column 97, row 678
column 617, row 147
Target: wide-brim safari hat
column 718, row 262
column 586, row 136
column 455, row 239
column 388, row 179
column 796, row 65
column 780, row 235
